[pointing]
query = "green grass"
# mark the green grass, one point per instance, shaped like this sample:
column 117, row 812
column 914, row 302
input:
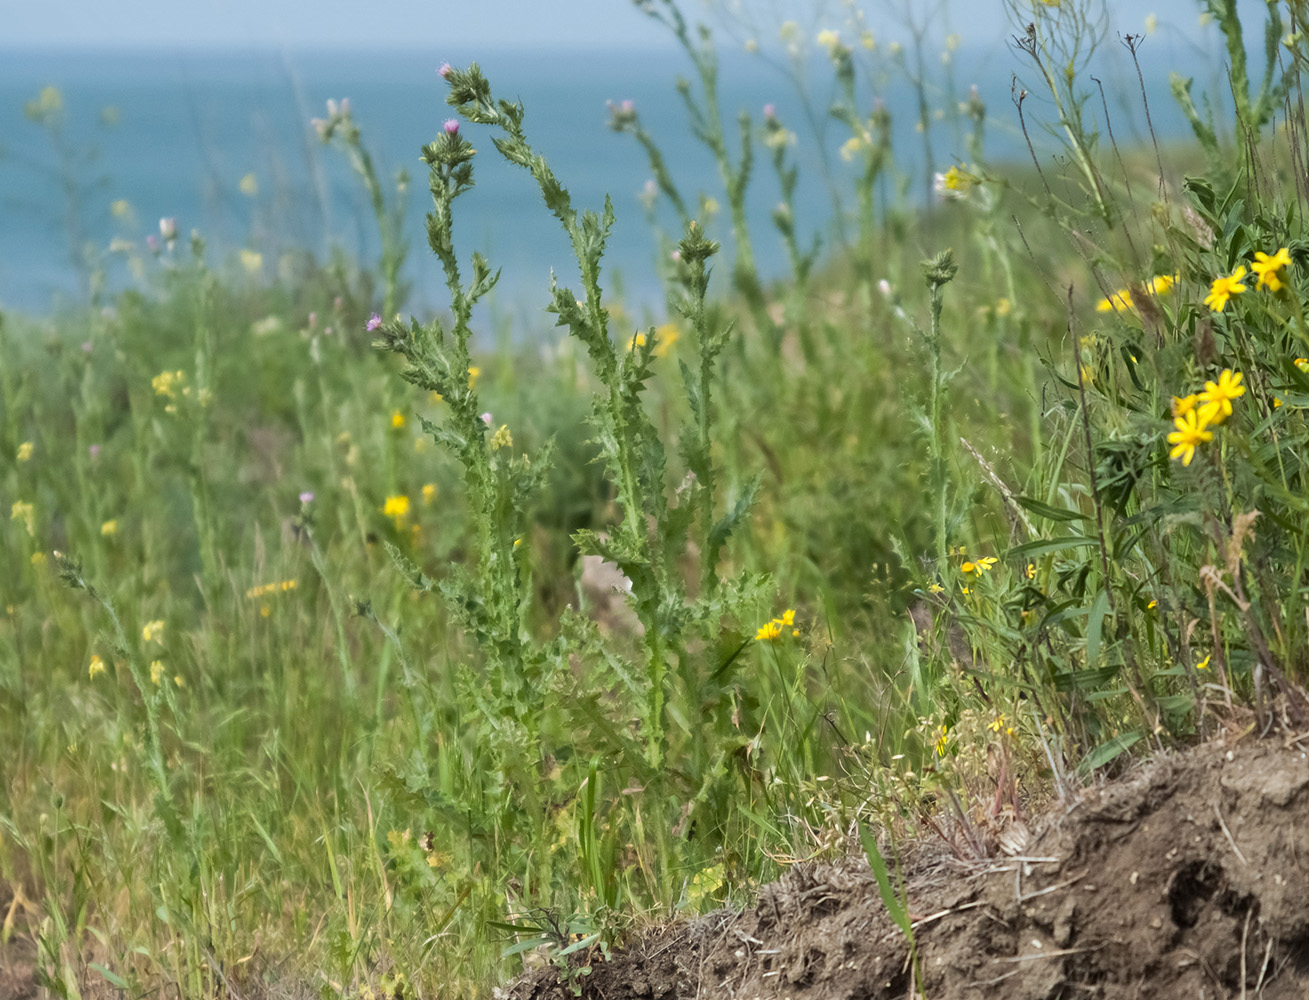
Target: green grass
column 378, row 747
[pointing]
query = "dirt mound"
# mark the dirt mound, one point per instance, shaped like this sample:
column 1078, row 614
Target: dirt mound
column 1190, row 879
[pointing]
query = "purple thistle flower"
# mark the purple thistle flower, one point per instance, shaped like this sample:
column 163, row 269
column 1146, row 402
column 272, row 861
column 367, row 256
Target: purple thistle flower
column 628, row 107
column 306, row 497
column 374, row 321
column 486, row 419
column 770, row 110
column 444, row 71
column 452, row 126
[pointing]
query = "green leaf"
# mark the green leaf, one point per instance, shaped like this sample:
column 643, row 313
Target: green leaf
column 894, row 906
column 1106, row 752
column 1094, row 625
column 1042, row 546
column 1051, row 513
column 114, row 978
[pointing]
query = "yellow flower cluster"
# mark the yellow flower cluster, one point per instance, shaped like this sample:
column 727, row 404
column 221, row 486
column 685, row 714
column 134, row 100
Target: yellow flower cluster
column 25, row 451
column 772, row 631
column 270, row 588
column 25, row 512
column 1121, row 300
column 153, row 631
column 168, row 383
column 1266, row 267
column 396, row 507
column 1194, row 414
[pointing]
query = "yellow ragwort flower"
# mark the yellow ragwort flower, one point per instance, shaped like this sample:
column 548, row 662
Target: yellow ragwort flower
column 397, row 419
column 1189, row 434
column 1216, row 400
column 1268, row 267
column 156, row 672
column 153, row 631
column 1224, row 288
column 1182, row 405
column 770, row 632
column 396, row 507
column 1119, row 301
column 96, row 668
column 502, row 438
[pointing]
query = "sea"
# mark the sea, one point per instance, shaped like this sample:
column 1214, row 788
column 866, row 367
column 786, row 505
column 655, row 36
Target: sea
column 221, row 141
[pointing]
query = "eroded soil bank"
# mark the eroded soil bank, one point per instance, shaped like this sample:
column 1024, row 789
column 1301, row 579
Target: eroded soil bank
column 1189, row 879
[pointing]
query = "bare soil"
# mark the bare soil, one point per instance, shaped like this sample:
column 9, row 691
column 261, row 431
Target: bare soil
column 1187, row 879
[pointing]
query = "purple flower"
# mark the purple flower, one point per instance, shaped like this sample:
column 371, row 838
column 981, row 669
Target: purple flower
column 86, row 347
column 486, row 419
column 628, row 107
column 94, row 451
column 152, row 243
column 452, row 126
column 306, row 497
column 770, row 110
column 374, row 321
column 444, row 71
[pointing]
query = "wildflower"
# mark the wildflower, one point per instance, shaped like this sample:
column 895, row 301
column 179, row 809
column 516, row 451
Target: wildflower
column 868, row 41
column 1030, row 571
column 788, row 617
column 153, row 631
column 397, row 419
column 25, row 512
column 996, row 724
column 1302, row 364
column 935, row 588
column 156, row 672
column 306, row 497
column 271, row 588
column 374, row 321
column 396, row 507
column 983, row 564
column 473, row 373
column 1267, row 269
column 1224, row 288
column 829, row 40
column 1189, row 434
column 252, row 261
column 502, row 438
column 487, row 419
column 1182, row 405
column 93, row 452
column 770, row 111
column 429, row 492
column 1119, row 301
column 38, row 559
column 96, row 668
column 109, row 528
column 1152, row 605
column 444, row 71
column 1203, row 664
column 168, row 383
column 638, row 340
column 168, row 229
column 852, row 147
column 769, row 632
column 1161, row 284
column 942, row 741
column 1003, row 307
column 1217, row 396
column 25, row 451
column 955, row 183
column 451, row 126
column 665, row 337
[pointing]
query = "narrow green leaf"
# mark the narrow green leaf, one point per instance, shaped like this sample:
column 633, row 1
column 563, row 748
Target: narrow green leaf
column 1051, row 513
column 1106, row 752
column 1094, row 626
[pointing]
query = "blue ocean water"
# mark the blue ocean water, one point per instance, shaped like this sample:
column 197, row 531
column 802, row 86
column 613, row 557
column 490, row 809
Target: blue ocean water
column 187, row 126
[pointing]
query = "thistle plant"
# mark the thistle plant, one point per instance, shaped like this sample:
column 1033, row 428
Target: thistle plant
column 340, row 128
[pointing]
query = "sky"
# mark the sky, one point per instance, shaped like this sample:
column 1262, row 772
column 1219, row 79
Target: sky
column 460, row 25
